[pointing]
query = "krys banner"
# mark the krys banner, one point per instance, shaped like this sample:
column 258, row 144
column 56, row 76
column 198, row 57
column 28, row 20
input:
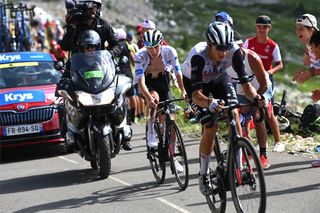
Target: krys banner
column 22, row 96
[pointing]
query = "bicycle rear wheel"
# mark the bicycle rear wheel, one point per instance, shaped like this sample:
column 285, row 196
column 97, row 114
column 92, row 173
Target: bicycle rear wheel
column 246, row 179
column 178, row 155
column 156, row 156
column 218, row 200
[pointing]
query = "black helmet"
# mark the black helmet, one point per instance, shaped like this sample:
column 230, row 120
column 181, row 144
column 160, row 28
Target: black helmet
column 220, row 35
column 89, row 39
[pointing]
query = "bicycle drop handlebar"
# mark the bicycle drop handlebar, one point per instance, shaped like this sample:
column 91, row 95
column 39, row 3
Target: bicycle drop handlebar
column 229, row 108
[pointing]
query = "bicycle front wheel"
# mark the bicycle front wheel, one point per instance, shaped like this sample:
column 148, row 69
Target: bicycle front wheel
column 156, row 156
column 178, row 156
column 246, row 178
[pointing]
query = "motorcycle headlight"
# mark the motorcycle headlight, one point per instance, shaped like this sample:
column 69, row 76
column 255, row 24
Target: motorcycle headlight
column 105, row 97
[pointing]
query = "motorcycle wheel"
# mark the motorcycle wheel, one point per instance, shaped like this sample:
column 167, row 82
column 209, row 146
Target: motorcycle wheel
column 103, row 157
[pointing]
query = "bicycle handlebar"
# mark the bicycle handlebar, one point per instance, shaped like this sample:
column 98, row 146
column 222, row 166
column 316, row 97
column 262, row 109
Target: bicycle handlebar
column 229, row 108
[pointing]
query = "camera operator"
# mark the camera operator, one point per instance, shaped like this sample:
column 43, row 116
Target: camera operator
column 85, row 15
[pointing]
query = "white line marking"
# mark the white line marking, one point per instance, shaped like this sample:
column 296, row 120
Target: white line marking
column 120, row 181
column 67, row 159
column 172, row 205
column 180, row 209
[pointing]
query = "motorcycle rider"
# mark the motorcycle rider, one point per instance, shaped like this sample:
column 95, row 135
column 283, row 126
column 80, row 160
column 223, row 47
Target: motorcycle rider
column 85, row 15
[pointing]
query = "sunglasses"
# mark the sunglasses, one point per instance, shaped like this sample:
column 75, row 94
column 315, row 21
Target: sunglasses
column 148, row 44
column 304, row 18
column 222, row 47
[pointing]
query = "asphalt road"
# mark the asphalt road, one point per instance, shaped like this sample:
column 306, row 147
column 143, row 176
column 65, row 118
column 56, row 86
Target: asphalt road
column 46, row 179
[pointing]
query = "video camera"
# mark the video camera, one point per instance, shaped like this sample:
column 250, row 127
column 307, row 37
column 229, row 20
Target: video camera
column 82, row 11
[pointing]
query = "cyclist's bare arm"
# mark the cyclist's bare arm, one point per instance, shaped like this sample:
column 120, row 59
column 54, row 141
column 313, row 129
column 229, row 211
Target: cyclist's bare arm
column 200, row 99
column 259, row 71
column 250, row 91
column 181, row 86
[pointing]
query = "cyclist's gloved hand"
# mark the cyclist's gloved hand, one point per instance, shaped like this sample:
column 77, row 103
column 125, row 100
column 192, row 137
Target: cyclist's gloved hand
column 216, row 105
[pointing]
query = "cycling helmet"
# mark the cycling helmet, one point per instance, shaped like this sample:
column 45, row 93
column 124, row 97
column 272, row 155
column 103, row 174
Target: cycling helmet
column 152, row 38
column 89, row 39
column 120, row 34
column 220, row 35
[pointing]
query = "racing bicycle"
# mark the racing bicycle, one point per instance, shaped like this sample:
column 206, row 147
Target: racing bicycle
column 236, row 169
column 170, row 147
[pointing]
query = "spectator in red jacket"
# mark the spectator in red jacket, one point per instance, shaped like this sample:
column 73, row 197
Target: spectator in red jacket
column 57, row 52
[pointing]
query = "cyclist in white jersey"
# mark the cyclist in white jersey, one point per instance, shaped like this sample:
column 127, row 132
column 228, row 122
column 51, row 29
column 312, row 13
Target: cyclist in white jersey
column 261, row 82
column 152, row 64
column 206, row 81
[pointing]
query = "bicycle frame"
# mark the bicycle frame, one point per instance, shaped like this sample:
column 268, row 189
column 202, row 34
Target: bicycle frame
column 233, row 136
column 167, row 142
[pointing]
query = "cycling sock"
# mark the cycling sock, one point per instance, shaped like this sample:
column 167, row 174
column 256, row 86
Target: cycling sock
column 263, row 151
column 204, row 163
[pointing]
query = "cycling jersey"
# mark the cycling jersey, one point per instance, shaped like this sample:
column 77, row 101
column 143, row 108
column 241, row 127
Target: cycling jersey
column 268, row 52
column 169, row 58
column 200, row 69
column 314, row 62
column 254, row 82
column 200, row 72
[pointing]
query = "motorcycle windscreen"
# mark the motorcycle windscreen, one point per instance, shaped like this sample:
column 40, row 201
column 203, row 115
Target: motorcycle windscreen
column 92, row 71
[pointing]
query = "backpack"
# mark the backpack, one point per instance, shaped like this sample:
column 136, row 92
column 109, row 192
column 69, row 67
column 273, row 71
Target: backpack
column 310, row 118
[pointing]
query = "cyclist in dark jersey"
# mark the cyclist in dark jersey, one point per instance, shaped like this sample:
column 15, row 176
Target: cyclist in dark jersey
column 206, row 80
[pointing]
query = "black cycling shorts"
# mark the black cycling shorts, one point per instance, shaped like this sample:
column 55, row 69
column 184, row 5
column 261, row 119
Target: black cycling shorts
column 220, row 88
column 162, row 87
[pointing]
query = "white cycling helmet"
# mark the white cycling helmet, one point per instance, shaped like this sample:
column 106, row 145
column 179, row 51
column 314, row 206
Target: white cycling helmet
column 220, row 35
column 152, row 38
column 120, row 34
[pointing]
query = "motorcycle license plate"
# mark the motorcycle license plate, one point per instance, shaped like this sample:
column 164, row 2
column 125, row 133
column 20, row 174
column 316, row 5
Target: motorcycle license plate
column 23, row 129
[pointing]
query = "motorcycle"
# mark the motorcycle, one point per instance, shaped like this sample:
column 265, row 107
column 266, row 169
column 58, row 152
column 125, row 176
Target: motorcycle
column 94, row 105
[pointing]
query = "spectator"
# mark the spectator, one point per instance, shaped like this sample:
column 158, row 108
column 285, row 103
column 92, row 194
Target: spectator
column 305, row 26
column 57, row 52
column 315, row 48
column 269, row 51
column 142, row 28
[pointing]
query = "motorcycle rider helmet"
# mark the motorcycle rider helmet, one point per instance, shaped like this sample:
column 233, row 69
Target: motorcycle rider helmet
column 89, row 39
column 220, row 35
column 152, row 38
